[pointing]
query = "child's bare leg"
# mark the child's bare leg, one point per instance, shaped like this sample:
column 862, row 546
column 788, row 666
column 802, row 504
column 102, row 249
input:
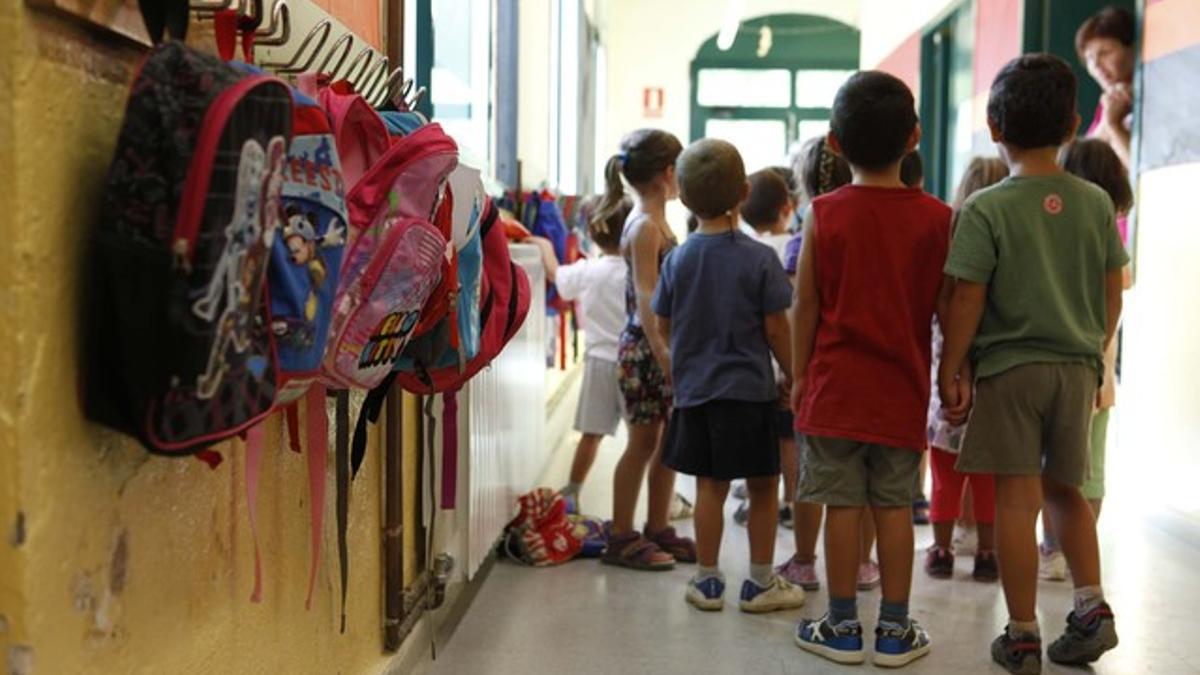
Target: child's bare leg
column 987, row 536
column 942, row 534
column 1018, row 500
column 789, row 465
column 710, row 519
column 1049, row 535
column 895, row 535
column 764, row 518
column 843, row 544
column 967, row 517
column 1096, row 504
column 585, row 457
column 808, row 525
column 629, row 473
column 1075, row 524
column 661, row 486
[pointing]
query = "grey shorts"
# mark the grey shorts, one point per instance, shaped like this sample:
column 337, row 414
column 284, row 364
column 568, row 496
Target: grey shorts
column 1030, row 420
column 840, row 472
column 601, row 406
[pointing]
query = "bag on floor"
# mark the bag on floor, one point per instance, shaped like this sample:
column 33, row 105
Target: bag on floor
column 542, row 534
column 178, row 347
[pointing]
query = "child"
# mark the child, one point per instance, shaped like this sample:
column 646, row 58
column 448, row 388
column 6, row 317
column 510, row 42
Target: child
column 1037, row 259
column 647, row 163
column 722, row 305
column 599, row 286
column 820, row 171
column 945, row 442
column 869, row 277
column 912, row 174
column 768, row 209
column 1095, row 161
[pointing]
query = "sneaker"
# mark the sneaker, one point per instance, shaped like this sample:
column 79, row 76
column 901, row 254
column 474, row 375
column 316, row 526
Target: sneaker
column 939, row 562
column 681, row 508
column 842, row 643
column 742, row 515
column 707, row 594
column 986, row 567
column 780, row 595
column 868, row 575
column 966, row 540
column 740, row 491
column 800, row 574
column 786, row 518
column 1052, row 565
column 1087, row 637
column 897, row 645
column 1021, row 655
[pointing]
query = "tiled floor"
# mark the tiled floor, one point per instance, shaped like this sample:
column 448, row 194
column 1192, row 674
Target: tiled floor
column 584, row 618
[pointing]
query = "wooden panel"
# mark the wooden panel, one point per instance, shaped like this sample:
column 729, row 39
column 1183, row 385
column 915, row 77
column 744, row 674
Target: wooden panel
column 119, row 16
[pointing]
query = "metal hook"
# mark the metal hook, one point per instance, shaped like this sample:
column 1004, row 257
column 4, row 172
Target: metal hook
column 207, row 7
column 412, row 103
column 281, row 20
column 400, row 96
column 348, row 40
column 252, row 15
column 366, row 52
column 323, row 27
column 371, row 90
column 390, row 84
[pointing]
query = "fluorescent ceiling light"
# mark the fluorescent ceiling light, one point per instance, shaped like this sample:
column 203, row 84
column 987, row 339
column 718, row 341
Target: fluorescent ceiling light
column 733, row 21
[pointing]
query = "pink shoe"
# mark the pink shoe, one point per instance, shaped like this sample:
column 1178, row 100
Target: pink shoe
column 868, row 575
column 800, row 574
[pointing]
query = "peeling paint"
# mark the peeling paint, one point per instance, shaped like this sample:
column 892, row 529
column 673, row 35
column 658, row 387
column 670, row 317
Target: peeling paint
column 117, row 571
column 16, row 537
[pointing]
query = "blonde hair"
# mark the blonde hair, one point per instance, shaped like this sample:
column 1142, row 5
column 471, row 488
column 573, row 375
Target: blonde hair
column 981, row 172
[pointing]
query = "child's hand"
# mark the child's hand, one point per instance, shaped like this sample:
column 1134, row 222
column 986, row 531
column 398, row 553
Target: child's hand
column 797, row 393
column 955, row 392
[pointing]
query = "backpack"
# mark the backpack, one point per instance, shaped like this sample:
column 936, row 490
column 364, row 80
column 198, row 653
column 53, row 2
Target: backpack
column 179, row 348
column 544, row 534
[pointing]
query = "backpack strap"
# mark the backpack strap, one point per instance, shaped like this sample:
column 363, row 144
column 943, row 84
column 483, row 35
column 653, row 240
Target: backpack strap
column 342, row 461
column 165, row 16
column 293, row 426
column 369, row 412
column 318, row 450
column 449, row 449
column 254, row 449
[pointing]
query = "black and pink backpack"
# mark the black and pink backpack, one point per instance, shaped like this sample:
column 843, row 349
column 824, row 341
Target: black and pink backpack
column 179, row 350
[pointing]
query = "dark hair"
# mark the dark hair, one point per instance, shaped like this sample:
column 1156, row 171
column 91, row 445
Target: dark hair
column 820, row 169
column 872, row 119
column 1094, row 160
column 789, row 177
column 712, row 177
column 1032, row 101
column 912, row 169
column 644, row 155
column 1111, row 22
column 606, row 232
column 769, row 195
column 981, row 172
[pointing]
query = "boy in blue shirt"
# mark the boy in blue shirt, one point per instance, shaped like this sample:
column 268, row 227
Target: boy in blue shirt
column 722, row 302
column 1038, row 263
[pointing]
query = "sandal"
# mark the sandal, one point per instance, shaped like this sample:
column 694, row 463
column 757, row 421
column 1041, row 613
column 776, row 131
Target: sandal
column 681, row 548
column 636, row 553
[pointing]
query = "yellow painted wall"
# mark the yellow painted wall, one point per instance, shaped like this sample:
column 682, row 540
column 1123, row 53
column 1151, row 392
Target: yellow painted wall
column 130, row 563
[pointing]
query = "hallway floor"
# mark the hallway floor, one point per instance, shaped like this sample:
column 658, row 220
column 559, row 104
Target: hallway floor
column 584, row 618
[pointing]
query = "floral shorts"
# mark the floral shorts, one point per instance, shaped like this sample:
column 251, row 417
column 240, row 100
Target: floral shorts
column 647, row 395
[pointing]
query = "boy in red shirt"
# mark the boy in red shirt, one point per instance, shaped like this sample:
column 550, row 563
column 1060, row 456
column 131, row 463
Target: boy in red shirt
column 869, row 277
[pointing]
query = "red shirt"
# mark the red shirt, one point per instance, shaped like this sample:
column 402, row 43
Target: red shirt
column 879, row 257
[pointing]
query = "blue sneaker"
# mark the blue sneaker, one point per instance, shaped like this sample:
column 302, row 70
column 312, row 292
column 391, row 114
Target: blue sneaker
column 707, row 594
column 898, row 645
column 779, row 595
column 842, row 643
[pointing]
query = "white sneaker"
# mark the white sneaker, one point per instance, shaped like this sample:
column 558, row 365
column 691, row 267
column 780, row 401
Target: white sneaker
column 681, row 508
column 1052, row 566
column 707, row 594
column 780, row 595
column 966, row 540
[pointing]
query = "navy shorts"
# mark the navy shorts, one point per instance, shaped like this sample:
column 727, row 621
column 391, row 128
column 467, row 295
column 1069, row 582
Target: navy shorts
column 724, row 440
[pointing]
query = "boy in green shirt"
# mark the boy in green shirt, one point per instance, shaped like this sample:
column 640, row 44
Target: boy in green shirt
column 1037, row 264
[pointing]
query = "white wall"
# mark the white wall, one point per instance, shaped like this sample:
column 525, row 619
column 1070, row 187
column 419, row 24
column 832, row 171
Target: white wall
column 887, row 23
column 652, row 44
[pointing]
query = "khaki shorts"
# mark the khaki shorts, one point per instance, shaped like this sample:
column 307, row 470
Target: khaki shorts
column 840, row 472
column 1093, row 487
column 601, row 406
column 1033, row 419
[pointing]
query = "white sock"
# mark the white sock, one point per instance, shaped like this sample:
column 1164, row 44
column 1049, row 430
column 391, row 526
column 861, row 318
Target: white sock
column 1088, row 598
column 1018, row 628
column 762, row 574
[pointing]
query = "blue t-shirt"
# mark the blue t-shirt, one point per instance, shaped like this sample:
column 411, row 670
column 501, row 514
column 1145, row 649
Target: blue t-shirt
column 717, row 290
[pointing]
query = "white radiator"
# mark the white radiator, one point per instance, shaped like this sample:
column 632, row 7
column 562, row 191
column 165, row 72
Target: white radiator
column 507, row 450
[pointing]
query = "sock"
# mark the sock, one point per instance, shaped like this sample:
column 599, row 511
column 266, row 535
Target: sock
column 703, row 573
column 842, row 609
column 1018, row 629
column 1088, row 598
column 762, row 575
column 893, row 612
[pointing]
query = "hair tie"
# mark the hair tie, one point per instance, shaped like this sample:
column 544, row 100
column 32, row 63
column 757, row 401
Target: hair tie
column 825, row 171
column 623, row 156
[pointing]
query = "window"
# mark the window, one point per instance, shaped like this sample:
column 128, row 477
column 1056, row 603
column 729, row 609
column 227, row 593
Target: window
column 460, row 81
column 816, row 88
column 743, row 88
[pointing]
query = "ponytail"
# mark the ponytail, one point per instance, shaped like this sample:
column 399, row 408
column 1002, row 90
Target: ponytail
column 614, row 189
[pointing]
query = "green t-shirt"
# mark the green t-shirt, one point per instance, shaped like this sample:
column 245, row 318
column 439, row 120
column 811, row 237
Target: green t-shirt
column 1043, row 245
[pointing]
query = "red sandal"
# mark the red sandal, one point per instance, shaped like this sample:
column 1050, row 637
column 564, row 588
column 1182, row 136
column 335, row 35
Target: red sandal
column 682, row 549
column 636, row 552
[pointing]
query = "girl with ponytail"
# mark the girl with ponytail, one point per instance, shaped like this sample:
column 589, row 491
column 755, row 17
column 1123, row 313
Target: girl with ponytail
column 646, row 161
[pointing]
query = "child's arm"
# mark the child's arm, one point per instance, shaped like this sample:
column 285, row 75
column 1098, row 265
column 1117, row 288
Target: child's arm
column 644, row 250
column 1114, row 286
column 959, row 325
column 806, row 309
column 779, row 337
column 549, row 259
column 662, row 326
